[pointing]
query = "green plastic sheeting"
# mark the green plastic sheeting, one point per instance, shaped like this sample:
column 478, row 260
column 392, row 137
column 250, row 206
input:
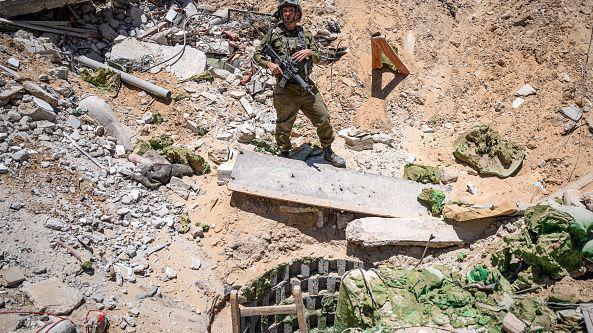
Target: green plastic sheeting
column 434, row 198
column 553, row 242
column 422, row 173
column 389, row 298
column 103, row 78
column 484, row 150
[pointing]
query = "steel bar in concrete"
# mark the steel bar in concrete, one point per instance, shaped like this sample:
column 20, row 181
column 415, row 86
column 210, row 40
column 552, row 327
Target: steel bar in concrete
column 412, row 231
column 56, row 30
column 323, row 185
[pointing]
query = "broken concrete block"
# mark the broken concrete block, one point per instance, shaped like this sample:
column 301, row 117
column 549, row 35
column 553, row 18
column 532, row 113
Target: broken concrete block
column 107, row 32
column 247, row 106
column 100, row 111
column 449, row 175
column 59, row 72
column 382, row 138
column 220, row 73
column 60, row 326
column 53, row 296
column 572, row 112
column 525, row 91
column 512, row 324
column 35, row 90
column 356, row 139
column 469, row 213
column 196, row 128
column 178, row 186
column 377, row 231
column 38, row 110
column 73, row 122
column 55, row 224
column 359, row 144
column 13, row 63
column 127, row 273
column 245, row 133
column 224, row 172
column 10, row 93
column 12, row 276
column 237, row 94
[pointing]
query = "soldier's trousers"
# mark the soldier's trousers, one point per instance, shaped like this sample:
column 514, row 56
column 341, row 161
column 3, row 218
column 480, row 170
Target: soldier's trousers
column 288, row 101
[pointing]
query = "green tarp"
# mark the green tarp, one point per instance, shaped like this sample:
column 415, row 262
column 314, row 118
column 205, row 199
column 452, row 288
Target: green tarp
column 389, row 298
column 554, row 241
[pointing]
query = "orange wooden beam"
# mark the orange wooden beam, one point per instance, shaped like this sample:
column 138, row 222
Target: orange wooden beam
column 378, row 46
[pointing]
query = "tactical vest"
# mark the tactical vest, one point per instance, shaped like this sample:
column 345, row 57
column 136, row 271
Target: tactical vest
column 286, row 43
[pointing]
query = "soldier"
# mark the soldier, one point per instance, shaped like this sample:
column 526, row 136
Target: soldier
column 289, row 39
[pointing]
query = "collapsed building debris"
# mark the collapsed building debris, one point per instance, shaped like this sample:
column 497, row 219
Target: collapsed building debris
column 9, row 8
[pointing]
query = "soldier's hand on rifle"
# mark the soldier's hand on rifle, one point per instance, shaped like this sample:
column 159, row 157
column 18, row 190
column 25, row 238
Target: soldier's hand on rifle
column 275, row 69
column 301, row 55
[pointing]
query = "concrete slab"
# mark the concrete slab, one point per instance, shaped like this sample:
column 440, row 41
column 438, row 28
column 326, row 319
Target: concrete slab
column 411, row 231
column 191, row 63
column 53, row 296
column 9, row 8
column 326, row 186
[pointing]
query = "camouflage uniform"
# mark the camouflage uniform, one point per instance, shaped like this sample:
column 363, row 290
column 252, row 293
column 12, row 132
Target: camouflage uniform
column 292, row 98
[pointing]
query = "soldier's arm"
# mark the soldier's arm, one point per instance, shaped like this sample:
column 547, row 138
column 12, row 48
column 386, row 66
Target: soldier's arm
column 259, row 58
column 316, row 53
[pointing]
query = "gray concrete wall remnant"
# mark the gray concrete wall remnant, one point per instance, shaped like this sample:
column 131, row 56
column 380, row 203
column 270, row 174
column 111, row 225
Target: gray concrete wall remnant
column 10, row 8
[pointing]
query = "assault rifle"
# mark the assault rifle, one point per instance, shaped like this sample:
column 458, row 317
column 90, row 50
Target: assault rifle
column 289, row 68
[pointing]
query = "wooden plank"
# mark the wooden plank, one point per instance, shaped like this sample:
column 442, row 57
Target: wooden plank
column 235, row 312
column 382, row 44
column 56, row 30
column 376, row 55
column 298, row 302
column 271, row 310
column 377, row 231
column 323, row 185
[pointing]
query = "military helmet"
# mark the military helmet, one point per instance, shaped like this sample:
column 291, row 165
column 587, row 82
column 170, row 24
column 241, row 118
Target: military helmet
column 282, row 3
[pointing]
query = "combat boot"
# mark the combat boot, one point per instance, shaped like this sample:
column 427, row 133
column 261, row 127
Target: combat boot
column 333, row 158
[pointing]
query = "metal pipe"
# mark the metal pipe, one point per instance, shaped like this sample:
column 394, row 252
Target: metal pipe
column 153, row 89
